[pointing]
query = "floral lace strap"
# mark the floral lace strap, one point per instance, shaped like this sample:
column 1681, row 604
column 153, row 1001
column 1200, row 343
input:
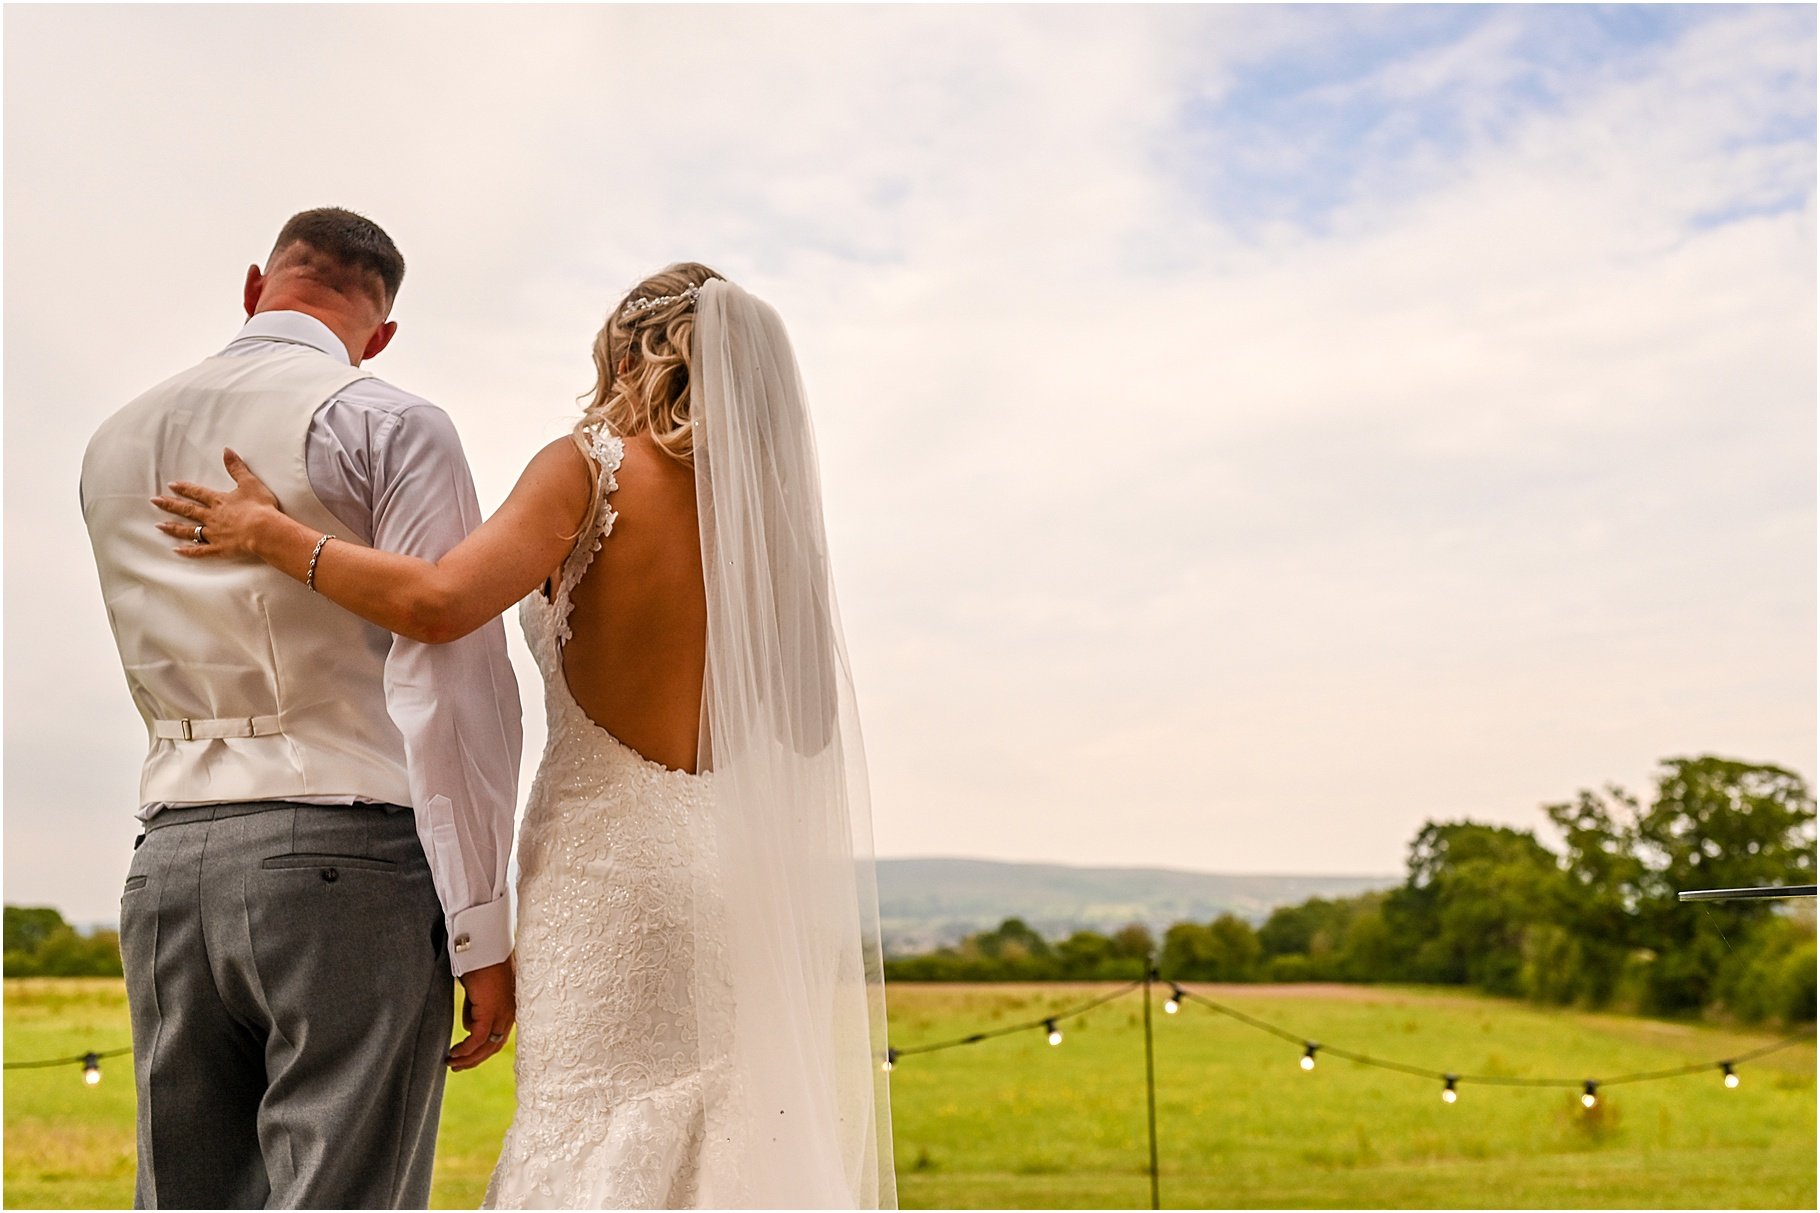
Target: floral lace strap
column 607, row 451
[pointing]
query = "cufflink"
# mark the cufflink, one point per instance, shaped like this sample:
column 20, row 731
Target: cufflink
column 463, row 943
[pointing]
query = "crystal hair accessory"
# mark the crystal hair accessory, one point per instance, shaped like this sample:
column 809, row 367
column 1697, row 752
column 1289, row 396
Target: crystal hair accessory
column 634, row 306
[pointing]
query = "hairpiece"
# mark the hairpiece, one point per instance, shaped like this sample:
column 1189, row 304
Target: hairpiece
column 634, row 306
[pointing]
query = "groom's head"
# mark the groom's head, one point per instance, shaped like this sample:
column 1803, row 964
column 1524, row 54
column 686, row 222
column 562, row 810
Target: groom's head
column 337, row 266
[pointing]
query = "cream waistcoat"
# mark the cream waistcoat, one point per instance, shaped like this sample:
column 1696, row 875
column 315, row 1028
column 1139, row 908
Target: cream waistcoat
column 251, row 686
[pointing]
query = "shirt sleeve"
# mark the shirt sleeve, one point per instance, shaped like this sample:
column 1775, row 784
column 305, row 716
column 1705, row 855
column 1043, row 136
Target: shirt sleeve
column 456, row 704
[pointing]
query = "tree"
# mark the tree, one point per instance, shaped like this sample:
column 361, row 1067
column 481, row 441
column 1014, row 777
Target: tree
column 1603, row 880
column 1085, row 954
column 1133, row 942
column 1368, row 950
column 1472, row 891
column 1224, row 950
column 1013, row 936
column 1292, row 929
column 1726, row 824
column 40, row 944
column 1770, row 974
column 1235, row 949
column 1188, row 953
column 1715, row 823
column 27, row 927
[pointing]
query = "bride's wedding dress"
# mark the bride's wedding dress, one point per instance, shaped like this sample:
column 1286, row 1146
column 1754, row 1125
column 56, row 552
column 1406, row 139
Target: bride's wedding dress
column 700, row 997
column 614, row 1072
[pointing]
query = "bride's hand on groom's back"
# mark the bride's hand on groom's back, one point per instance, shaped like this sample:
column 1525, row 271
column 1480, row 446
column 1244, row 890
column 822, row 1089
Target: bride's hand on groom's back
column 219, row 524
column 488, row 1008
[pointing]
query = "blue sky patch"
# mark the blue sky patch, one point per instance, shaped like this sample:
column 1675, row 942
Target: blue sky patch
column 1368, row 103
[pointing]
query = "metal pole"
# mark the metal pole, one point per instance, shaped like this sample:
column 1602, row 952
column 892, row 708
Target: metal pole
column 1150, row 975
column 1792, row 890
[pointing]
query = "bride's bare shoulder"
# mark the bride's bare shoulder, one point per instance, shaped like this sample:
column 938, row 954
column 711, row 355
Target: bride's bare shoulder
column 654, row 503
column 646, row 468
column 555, row 487
column 559, row 467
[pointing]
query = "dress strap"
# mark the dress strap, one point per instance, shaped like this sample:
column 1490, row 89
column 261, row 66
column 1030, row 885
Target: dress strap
column 607, row 450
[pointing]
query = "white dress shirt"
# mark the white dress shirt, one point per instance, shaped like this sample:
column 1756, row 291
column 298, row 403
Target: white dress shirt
column 390, row 466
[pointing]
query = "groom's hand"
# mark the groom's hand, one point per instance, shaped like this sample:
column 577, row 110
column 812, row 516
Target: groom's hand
column 487, row 1011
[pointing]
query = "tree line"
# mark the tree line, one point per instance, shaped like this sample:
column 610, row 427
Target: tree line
column 40, row 944
column 1595, row 923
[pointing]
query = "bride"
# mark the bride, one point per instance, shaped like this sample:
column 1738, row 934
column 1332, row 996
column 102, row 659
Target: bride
column 701, row 1012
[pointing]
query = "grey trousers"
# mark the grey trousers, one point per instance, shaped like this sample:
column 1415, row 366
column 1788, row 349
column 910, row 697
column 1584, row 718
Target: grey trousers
column 288, row 978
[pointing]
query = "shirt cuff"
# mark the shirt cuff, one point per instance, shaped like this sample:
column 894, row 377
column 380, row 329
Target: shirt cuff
column 480, row 936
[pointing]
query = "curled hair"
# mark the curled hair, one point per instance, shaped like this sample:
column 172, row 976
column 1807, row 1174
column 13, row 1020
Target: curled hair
column 655, row 344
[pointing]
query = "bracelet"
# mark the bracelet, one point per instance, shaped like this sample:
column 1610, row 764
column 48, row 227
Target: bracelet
column 309, row 578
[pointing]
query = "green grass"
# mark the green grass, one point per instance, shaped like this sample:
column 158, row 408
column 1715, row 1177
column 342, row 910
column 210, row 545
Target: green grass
column 1013, row 1122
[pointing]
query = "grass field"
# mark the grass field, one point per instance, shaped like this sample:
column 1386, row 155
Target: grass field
column 1016, row 1123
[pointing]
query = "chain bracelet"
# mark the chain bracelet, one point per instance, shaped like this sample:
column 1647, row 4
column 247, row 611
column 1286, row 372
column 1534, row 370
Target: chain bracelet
column 309, row 578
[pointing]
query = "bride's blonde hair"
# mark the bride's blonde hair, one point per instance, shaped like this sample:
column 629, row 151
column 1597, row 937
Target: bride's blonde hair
column 654, row 342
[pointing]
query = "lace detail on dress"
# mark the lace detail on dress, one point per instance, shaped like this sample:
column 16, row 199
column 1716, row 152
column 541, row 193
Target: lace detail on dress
column 608, row 451
column 617, row 1066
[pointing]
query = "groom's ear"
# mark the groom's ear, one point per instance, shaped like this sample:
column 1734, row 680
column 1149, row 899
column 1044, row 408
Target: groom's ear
column 382, row 337
column 255, row 286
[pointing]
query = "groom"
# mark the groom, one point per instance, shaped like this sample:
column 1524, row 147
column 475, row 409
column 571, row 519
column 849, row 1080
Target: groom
column 327, row 808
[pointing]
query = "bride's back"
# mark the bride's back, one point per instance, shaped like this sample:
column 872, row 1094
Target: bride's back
column 640, row 618
column 639, row 627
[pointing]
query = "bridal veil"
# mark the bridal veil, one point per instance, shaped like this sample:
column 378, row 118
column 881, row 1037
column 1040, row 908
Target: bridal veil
column 804, row 1114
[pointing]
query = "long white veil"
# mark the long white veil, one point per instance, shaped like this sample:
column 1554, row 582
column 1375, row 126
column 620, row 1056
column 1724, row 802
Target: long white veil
column 797, row 995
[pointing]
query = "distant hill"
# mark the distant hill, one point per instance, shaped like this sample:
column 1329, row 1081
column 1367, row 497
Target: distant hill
column 929, row 903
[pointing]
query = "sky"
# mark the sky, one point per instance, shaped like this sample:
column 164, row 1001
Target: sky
column 1248, row 432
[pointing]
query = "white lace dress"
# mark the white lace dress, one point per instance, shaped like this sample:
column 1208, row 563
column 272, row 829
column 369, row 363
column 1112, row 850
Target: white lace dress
column 615, row 1068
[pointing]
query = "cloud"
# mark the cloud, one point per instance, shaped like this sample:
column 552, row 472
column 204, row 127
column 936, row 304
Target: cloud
column 1247, row 432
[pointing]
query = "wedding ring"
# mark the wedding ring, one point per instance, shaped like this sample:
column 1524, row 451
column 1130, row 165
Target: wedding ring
column 199, row 538
column 493, row 1040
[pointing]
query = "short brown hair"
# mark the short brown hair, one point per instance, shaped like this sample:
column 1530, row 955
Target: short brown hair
column 348, row 246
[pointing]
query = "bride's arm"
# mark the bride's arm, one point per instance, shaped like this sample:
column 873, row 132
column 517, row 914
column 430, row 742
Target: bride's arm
column 505, row 558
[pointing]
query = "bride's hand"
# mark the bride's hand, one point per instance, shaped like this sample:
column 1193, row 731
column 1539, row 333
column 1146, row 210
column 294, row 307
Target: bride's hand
column 231, row 523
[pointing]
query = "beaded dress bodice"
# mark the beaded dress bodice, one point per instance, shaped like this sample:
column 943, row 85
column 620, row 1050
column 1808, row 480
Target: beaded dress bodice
column 614, row 1066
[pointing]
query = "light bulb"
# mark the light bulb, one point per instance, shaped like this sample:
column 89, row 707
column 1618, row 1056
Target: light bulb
column 1308, row 1057
column 1731, row 1075
column 890, row 1060
column 1448, row 1094
column 1172, row 1006
column 1591, row 1097
column 91, row 1069
column 1055, row 1033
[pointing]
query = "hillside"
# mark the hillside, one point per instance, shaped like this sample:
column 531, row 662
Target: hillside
column 926, row 903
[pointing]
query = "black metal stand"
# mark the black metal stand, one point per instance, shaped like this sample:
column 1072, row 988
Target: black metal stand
column 1150, row 975
column 1792, row 890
